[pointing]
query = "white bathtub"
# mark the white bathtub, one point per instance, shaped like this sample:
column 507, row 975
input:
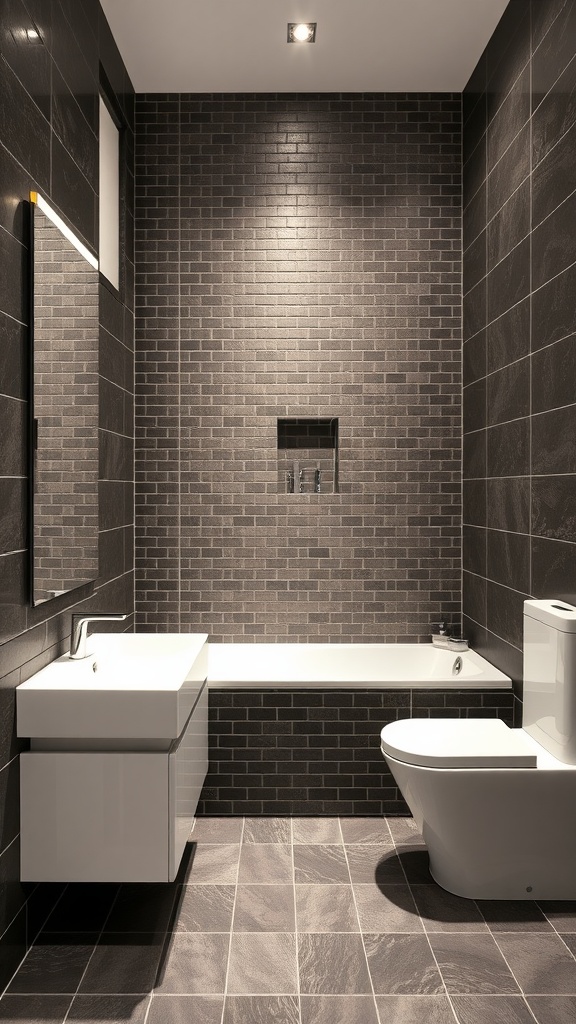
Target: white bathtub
column 373, row 666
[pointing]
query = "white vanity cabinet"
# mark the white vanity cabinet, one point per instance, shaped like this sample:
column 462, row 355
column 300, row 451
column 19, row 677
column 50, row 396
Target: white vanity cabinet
column 119, row 754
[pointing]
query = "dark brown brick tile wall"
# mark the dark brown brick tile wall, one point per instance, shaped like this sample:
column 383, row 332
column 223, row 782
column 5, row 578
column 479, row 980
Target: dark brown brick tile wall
column 298, row 256
column 318, row 751
column 519, row 326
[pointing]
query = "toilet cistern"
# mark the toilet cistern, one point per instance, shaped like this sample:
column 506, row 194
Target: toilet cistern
column 79, row 633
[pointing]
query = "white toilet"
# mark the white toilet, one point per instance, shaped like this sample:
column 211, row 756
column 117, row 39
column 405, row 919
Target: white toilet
column 497, row 806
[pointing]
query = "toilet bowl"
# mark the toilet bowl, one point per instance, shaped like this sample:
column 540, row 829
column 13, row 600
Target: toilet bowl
column 497, row 806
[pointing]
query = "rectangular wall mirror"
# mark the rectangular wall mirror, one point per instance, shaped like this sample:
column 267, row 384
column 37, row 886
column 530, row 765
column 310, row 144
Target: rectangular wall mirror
column 64, row 407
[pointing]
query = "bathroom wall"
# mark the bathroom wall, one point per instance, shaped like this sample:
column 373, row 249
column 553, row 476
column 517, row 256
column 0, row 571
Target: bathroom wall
column 519, row 325
column 298, row 256
column 49, row 85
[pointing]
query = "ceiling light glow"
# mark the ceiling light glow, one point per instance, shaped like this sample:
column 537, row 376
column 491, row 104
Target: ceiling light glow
column 301, row 32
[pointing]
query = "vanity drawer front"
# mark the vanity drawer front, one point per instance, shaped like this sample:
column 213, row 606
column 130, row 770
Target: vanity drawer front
column 188, row 768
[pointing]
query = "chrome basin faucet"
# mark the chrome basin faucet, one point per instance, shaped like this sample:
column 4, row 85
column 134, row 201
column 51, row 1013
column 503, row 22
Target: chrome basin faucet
column 79, row 632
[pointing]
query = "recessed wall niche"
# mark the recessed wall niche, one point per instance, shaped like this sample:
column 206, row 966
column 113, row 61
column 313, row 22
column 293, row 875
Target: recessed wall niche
column 308, row 456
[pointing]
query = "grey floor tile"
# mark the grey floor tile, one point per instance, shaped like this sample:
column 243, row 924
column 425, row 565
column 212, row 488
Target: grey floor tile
column 267, row 830
column 416, row 1010
column 387, row 908
column 322, row 864
column 264, row 908
column 472, row 964
column 405, row 832
column 217, row 830
column 326, row 908
column 369, row 864
column 55, row 964
column 561, row 914
column 123, row 963
column 569, row 938
column 492, row 1009
column 34, row 1009
column 265, row 863
column 332, row 965
column 441, row 911
column 316, row 830
column 82, row 908
column 215, row 863
column 551, row 1009
column 111, row 1009
column 195, row 963
column 416, row 865
column 262, row 963
column 541, row 964
column 338, row 1010
column 513, row 916
column 185, row 1010
column 204, row 908
column 402, row 965
column 261, row 1010
column 142, row 908
column 374, row 831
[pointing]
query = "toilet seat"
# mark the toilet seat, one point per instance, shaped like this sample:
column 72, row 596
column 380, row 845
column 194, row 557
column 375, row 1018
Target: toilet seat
column 457, row 743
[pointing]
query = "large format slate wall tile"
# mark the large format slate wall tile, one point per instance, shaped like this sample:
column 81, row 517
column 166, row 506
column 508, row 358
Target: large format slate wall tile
column 520, row 467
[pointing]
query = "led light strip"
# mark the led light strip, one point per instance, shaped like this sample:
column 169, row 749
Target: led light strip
column 41, row 203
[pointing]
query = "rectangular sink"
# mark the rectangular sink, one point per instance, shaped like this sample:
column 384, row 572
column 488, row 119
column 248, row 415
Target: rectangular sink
column 135, row 686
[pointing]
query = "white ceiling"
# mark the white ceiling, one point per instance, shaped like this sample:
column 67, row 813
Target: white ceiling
column 361, row 46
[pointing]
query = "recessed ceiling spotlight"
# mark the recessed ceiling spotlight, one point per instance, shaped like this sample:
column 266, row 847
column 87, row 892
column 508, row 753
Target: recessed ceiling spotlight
column 301, row 32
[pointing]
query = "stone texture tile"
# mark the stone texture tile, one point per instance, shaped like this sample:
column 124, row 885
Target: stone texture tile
column 541, row 964
column 492, row 1009
column 215, row 863
column 264, row 908
column 326, row 908
column 405, row 832
column 386, row 908
column 142, row 908
column 402, row 965
column 55, row 964
column 261, row 1010
column 513, row 916
column 262, row 963
column 441, row 911
column 195, row 964
column 111, row 1009
column 472, row 964
column 560, row 913
column 316, row 830
column 415, row 1010
column 332, row 965
column 217, row 830
column 374, row 831
column 368, row 865
column 267, row 830
column 42, row 1009
column 124, row 963
column 265, row 863
column 320, row 864
column 551, row 1009
column 338, row 1010
column 204, row 908
column 185, row 1010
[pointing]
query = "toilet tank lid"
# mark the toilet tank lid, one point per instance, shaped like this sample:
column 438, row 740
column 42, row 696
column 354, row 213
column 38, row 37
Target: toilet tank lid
column 559, row 614
column 457, row 743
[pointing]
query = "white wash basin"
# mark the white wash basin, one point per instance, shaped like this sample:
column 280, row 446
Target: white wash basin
column 134, row 686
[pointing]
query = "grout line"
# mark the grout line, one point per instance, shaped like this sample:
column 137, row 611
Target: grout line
column 225, row 993
column 112, row 905
column 297, row 952
column 359, row 922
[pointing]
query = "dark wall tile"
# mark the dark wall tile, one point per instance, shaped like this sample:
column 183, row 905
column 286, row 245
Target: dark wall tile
column 509, row 449
column 73, row 130
column 554, row 243
column 510, row 225
column 13, row 496
column 509, row 172
column 508, row 337
column 14, row 278
column 474, row 454
column 72, row 193
column 553, row 179
column 509, row 282
column 554, row 53
column 475, row 405
column 474, row 502
column 78, row 66
column 475, row 217
column 116, row 460
column 13, row 358
column 474, row 550
column 553, row 376
column 474, row 597
column 554, row 442
column 554, row 310
column 474, row 358
column 553, row 570
column 508, row 51
column 505, row 656
column 508, row 559
column 506, row 614
column 509, row 504
column 511, row 116
column 23, row 129
column 508, row 392
column 543, row 16
column 555, row 115
column 554, row 507
column 13, row 451
column 30, row 63
column 475, row 310
column 474, row 171
column 474, row 268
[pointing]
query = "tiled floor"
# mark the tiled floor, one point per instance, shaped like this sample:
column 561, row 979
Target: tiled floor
column 302, row 921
